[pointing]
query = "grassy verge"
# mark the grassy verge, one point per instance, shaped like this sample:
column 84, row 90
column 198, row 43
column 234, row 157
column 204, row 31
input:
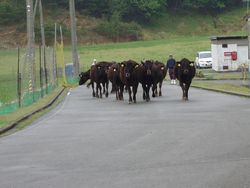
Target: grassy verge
column 224, row 87
column 8, row 118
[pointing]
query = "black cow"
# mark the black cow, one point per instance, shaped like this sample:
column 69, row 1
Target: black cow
column 159, row 72
column 84, row 77
column 129, row 75
column 114, row 78
column 184, row 71
column 98, row 74
column 147, row 78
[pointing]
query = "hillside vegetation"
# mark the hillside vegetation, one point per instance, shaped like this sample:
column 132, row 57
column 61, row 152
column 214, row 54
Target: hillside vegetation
column 113, row 21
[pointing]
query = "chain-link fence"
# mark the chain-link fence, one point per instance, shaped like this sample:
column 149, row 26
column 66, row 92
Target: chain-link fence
column 26, row 75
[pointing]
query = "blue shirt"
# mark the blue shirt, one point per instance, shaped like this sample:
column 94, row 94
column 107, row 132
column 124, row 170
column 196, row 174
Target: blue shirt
column 171, row 63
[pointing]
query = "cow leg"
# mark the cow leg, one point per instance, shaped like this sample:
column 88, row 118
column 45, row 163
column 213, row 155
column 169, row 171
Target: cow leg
column 100, row 89
column 160, row 85
column 113, row 88
column 187, row 88
column 121, row 92
column 134, row 92
column 93, row 90
column 129, row 93
column 116, row 88
column 97, row 87
column 107, row 88
column 144, row 91
column 103, row 85
column 183, row 90
column 147, row 93
column 154, row 90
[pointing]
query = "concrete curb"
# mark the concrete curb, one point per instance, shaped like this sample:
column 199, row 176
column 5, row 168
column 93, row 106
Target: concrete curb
column 15, row 123
column 221, row 91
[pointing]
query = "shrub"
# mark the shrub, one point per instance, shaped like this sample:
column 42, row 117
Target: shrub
column 7, row 14
column 115, row 27
column 200, row 74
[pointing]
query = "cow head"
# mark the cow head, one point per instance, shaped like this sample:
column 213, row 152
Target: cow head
column 84, row 76
column 129, row 66
column 185, row 65
column 104, row 66
column 147, row 66
column 115, row 68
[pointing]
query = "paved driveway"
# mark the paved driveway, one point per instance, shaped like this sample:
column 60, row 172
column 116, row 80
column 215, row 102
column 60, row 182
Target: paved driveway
column 167, row 142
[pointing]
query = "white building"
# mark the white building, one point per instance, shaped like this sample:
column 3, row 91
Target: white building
column 229, row 53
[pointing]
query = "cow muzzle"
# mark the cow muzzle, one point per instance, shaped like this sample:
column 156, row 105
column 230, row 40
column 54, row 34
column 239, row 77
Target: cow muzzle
column 107, row 71
column 127, row 75
column 148, row 71
column 186, row 71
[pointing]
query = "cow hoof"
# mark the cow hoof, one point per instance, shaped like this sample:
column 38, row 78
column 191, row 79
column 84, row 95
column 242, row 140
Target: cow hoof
column 122, row 99
column 160, row 95
column 147, row 100
column 154, row 96
column 134, row 101
column 129, row 102
column 97, row 96
column 186, row 99
column 107, row 96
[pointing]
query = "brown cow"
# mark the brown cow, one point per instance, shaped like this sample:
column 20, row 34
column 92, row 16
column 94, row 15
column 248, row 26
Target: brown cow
column 129, row 75
column 84, row 77
column 98, row 74
column 160, row 72
column 184, row 71
column 114, row 78
column 147, row 78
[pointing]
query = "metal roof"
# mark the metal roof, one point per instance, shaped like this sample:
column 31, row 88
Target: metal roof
column 229, row 37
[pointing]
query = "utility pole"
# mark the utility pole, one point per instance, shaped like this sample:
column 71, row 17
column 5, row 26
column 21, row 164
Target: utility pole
column 30, row 35
column 42, row 23
column 74, row 39
column 247, row 18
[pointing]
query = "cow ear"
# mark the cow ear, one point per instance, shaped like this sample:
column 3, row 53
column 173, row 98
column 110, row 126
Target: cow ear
column 178, row 63
column 122, row 64
column 136, row 65
column 191, row 63
column 142, row 62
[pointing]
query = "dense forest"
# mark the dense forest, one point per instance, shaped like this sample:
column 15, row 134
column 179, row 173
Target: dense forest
column 127, row 10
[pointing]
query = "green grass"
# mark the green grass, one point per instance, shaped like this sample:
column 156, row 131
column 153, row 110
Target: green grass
column 8, row 118
column 190, row 23
column 225, row 87
column 156, row 50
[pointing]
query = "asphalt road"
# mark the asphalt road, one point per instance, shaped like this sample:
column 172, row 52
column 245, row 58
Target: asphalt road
column 167, row 142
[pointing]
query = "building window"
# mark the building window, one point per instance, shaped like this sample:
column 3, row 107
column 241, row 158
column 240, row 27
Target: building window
column 224, row 45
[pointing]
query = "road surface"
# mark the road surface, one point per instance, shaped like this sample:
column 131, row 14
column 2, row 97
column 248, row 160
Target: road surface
column 167, row 142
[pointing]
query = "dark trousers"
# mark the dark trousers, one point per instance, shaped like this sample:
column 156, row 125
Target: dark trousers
column 171, row 74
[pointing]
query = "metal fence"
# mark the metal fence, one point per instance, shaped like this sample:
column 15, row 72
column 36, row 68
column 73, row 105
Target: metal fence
column 26, row 76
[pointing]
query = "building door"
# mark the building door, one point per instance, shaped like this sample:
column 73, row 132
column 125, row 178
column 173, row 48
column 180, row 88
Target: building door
column 242, row 56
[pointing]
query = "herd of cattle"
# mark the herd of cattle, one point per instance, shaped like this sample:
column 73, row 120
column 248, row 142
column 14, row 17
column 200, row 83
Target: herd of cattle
column 130, row 73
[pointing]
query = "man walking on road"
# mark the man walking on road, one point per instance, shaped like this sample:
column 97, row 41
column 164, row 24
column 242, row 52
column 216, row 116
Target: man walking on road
column 170, row 65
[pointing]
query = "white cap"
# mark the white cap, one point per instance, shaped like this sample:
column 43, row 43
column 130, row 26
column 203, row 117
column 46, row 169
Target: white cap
column 94, row 60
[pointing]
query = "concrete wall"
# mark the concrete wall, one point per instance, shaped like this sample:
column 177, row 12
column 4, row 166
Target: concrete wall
column 225, row 63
